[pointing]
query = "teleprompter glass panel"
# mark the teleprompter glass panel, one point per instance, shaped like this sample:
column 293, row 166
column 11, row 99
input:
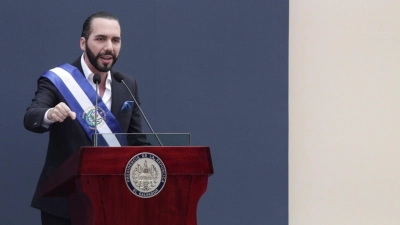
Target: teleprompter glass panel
column 141, row 139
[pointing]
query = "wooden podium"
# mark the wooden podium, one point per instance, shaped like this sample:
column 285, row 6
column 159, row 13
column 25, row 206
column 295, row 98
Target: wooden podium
column 93, row 178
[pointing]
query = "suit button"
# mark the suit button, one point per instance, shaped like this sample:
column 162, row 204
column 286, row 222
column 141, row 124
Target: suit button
column 35, row 124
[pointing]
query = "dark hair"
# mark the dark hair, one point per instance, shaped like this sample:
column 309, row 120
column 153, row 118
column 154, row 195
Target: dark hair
column 87, row 25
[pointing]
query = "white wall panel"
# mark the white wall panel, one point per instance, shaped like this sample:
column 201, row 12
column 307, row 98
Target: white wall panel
column 344, row 112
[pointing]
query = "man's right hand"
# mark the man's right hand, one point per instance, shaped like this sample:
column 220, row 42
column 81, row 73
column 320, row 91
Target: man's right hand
column 60, row 112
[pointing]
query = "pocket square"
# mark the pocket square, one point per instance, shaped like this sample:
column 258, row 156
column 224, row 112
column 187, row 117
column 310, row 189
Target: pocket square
column 127, row 106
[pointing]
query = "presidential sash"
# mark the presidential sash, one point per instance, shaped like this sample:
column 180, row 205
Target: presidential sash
column 81, row 98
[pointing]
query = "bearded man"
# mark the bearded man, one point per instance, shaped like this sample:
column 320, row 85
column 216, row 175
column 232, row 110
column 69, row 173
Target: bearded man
column 60, row 105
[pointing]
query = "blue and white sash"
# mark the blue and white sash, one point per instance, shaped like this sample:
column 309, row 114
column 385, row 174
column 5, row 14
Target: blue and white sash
column 81, row 98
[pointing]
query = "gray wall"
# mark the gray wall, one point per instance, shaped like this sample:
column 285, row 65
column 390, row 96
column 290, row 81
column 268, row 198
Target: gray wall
column 216, row 69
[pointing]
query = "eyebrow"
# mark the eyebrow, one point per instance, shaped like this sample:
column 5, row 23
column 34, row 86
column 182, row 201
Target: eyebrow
column 104, row 36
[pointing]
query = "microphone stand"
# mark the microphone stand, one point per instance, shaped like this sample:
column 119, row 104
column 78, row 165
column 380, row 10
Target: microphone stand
column 95, row 120
column 144, row 117
column 96, row 80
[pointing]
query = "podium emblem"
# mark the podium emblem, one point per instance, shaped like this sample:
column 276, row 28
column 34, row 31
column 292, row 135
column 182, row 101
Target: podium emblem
column 145, row 175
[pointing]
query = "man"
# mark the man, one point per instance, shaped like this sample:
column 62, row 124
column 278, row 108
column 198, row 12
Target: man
column 57, row 106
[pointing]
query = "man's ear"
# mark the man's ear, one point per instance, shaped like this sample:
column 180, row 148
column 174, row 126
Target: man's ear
column 82, row 43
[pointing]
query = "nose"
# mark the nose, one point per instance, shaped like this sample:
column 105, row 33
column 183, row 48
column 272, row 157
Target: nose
column 108, row 46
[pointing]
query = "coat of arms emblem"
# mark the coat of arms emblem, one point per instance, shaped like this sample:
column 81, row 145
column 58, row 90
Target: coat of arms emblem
column 90, row 117
column 145, row 175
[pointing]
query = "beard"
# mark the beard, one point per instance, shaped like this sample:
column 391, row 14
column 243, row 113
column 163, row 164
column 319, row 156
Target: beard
column 93, row 59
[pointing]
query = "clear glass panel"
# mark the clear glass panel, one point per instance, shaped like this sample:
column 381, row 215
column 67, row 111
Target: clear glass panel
column 141, row 139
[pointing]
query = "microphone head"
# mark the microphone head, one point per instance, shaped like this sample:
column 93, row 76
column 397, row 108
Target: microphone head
column 96, row 79
column 118, row 77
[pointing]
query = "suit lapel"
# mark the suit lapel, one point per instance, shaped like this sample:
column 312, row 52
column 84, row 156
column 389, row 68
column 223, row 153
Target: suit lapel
column 116, row 97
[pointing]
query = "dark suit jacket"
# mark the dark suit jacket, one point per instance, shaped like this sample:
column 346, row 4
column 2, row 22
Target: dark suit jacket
column 67, row 137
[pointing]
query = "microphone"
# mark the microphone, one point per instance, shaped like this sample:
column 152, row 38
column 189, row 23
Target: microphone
column 96, row 80
column 118, row 77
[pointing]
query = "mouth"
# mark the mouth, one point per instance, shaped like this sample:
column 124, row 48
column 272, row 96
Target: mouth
column 106, row 58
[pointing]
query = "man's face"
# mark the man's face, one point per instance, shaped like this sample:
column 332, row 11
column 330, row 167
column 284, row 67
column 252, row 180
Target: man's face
column 103, row 45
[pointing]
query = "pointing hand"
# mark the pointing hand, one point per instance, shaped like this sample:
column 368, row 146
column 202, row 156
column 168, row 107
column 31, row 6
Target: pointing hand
column 60, row 112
